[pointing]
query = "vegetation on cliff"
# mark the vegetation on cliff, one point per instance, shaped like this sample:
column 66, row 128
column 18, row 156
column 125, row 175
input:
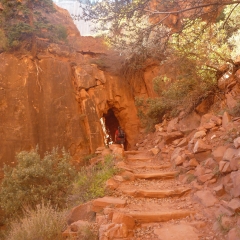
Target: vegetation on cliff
column 22, row 22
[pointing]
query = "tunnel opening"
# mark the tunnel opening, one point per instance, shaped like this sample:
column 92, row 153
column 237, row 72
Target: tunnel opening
column 111, row 124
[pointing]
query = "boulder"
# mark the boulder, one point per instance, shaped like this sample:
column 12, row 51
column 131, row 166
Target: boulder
column 128, row 220
column 183, row 142
column 235, row 163
column 154, row 150
column 201, row 146
column 202, row 156
column 229, row 154
column 111, row 184
column 101, row 219
column 81, row 212
column 176, row 152
column 231, row 102
column 200, row 170
column 199, row 134
column 210, row 163
column 234, row 205
column 206, row 118
column 189, row 123
column 128, row 176
column 227, row 182
column 236, row 142
column 193, row 162
column 209, row 125
column 172, row 125
column 226, row 119
column 205, row 197
column 224, row 167
column 223, row 210
column 216, row 120
column 235, row 176
column 219, row 190
column 178, row 160
column 219, row 152
column 113, row 231
column 205, row 177
column 170, row 137
column 79, row 225
column 233, row 234
column 225, row 80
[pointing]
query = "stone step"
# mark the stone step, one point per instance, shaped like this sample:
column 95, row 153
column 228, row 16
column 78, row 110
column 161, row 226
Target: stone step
column 147, row 217
column 134, row 152
column 131, row 168
column 179, row 192
column 151, row 167
column 141, row 158
column 158, row 175
column 100, row 203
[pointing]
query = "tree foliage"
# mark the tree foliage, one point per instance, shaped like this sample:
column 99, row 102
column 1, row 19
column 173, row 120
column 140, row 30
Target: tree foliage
column 144, row 27
column 34, row 180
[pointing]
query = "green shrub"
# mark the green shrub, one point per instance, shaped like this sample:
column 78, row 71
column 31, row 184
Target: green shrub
column 151, row 111
column 3, row 41
column 190, row 87
column 19, row 32
column 34, row 180
column 90, row 181
column 61, row 32
column 159, row 84
column 44, row 222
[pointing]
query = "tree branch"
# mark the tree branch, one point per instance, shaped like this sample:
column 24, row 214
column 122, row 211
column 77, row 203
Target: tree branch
column 192, row 8
column 229, row 15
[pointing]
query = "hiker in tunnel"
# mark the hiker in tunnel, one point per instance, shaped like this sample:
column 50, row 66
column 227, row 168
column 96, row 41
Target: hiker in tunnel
column 120, row 136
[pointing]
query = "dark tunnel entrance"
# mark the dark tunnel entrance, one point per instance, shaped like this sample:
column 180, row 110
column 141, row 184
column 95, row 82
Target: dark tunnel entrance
column 111, row 124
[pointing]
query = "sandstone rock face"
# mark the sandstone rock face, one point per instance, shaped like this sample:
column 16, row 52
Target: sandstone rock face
column 37, row 107
column 58, row 99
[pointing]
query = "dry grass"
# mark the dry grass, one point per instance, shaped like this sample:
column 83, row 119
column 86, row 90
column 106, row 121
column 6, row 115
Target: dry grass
column 43, row 223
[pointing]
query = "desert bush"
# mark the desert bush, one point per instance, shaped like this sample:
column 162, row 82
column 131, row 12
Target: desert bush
column 88, row 157
column 35, row 179
column 45, row 222
column 87, row 233
column 151, row 111
column 17, row 32
column 90, row 181
column 61, row 32
column 3, row 41
column 191, row 85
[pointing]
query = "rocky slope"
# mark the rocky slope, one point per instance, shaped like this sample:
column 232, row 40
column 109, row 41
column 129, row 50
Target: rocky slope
column 177, row 185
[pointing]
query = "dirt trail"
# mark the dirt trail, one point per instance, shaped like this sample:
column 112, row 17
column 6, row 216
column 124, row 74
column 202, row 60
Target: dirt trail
column 162, row 207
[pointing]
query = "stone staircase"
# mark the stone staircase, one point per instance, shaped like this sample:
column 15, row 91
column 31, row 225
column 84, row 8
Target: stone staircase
column 148, row 203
